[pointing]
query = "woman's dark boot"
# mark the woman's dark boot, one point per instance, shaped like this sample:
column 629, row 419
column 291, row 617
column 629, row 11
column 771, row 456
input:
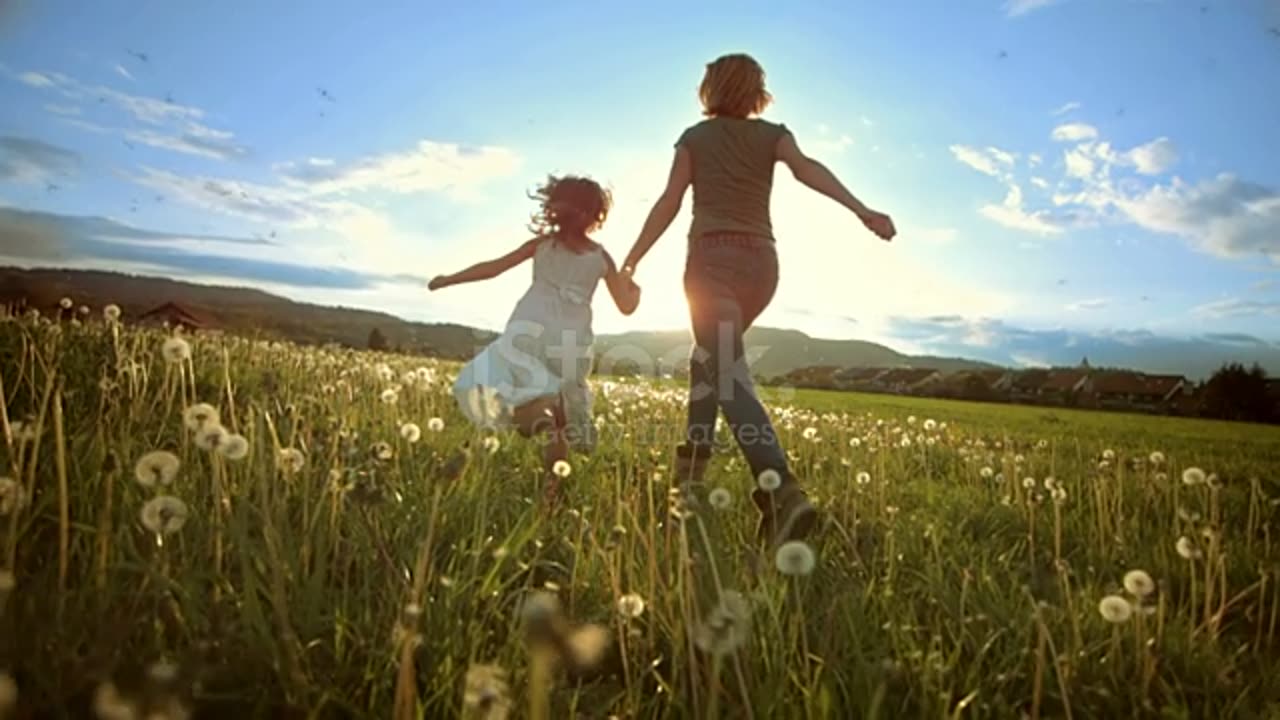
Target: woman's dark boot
column 691, row 467
column 785, row 514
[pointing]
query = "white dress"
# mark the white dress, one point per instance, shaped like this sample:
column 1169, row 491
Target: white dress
column 545, row 349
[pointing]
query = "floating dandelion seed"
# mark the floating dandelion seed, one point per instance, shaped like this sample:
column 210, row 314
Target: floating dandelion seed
column 1186, row 547
column 199, row 415
column 175, row 350
column 1139, row 583
column 435, row 424
column 389, row 396
column 864, row 478
column 1157, row 458
column 769, row 480
column 720, row 498
column 631, row 606
column 485, row 692
column 561, row 469
column 1193, row 476
column 158, row 467
column 111, row 312
column 1115, row 609
column 211, row 437
column 491, row 444
column 795, row 558
column 235, row 447
column 410, row 432
column 164, row 515
column 290, row 460
column 13, row 496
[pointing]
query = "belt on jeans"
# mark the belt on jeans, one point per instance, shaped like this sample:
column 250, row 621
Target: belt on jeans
column 740, row 240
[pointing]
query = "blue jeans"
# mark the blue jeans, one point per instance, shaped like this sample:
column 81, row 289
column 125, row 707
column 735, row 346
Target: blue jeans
column 729, row 280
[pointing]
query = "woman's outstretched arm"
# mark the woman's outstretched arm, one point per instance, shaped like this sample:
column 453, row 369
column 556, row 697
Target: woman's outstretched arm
column 817, row 177
column 664, row 209
column 487, row 269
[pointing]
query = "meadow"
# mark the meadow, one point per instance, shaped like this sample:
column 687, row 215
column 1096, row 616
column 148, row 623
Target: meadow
column 218, row 526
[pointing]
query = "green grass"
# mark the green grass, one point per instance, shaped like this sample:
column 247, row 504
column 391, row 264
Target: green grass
column 361, row 585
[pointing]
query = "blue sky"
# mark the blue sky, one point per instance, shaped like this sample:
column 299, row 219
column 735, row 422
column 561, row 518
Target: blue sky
column 1065, row 174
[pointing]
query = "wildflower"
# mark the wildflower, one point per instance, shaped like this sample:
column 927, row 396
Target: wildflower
column 1193, row 476
column 911, row 419
column 235, row 447
column 1186, row 547
column 158, row 467
column 485, row 692
column 864, row 478
column 769, row 480
column 1212, row 481
column 212, row 437
column 199, row 415
column 389, row 397
column 491, row 444
column 65, row 303
column 1109, row 455
column 720, row 498
column 561, row 468
column 631, row 606
column 795, row 558
column 986, row 473
column 175, row 350
column 1115, row 609
column 1028, row 483
column 855, row 442
column 164, row 515
column 290, row 460
column 410, row 432
column 809, row 433
column 1050, row 483
column 1059, row 494
column 111, row 312
column 1139, row 583
column 1157, row 458
column 1019, row 459
column 930, row 425
column 727, row 627
column 435, row 424
column 13, row 496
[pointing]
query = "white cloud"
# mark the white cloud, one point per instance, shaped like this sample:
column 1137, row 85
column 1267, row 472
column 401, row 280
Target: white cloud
column 429, row 166
column 1224, row 216
column 1091, row 304
column 1072, row 132
column 1238, row 307
column 123, row 72
column 1066, row 108
column 1155, row 157
column 1017, row 218
column 64, row 110
column 1014, row 8
column 29, row 161
column 37, row 80
column 988, row 161
column 1040, row 183
column 1079, row 164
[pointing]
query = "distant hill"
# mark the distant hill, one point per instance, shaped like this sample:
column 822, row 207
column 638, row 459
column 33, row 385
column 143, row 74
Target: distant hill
column 247, row 310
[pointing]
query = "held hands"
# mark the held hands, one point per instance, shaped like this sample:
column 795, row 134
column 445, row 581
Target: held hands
column 878, row 223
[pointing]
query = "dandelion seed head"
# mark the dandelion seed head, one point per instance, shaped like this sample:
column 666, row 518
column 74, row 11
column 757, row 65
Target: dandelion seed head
column 435, row 424
column 65, row 303
column 211, row 437
column 485, row 692
column 1138, row 583
column 1115, row 609
column 164, row 515
column 769, row 480
column 795, row 558
column 111, row 312
column 389, row 397
column 631, row 606
column 1187, row 548
column 587, row 645
column 809, row 433
column 864, row 478
column 986, row 473
column 410, row 432
column 491, row 444
column 13, row 496
column 382, row 450
column 1156, row 458
column 235, row 447
column 930, row 425
column 290, row 460
column 109, row 704
column 1109, row 455
column 175, row 350
column 855, row 442
column 199, row 415
column 561, row 468
column 720, row 498
column 158, row 467
column 1029, row 483
column 1193, row 476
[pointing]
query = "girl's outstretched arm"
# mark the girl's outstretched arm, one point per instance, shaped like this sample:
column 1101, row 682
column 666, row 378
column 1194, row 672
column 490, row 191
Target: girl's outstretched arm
column 487, row 269
column 625, row 292
column 664, row 209
column 817, row 177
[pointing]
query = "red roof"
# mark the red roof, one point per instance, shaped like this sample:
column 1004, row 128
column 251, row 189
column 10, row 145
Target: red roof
column 173, row 312
column 856, row 374
column 907, row 376
column 1132, row 383
column 1064, row 380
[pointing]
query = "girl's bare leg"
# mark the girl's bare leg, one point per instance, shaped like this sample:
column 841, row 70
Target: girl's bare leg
column 546, row 417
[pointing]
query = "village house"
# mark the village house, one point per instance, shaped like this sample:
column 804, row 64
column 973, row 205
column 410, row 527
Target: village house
column 857, row 378
column 1063, row 385
column 174, row 315
column 817, row 376
column 907, row 380
column 1123, row 389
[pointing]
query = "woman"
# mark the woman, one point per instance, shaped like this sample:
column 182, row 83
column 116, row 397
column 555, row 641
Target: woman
column 731, row 273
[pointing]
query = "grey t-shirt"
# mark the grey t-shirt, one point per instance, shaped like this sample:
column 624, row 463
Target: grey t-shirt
column 733, row 161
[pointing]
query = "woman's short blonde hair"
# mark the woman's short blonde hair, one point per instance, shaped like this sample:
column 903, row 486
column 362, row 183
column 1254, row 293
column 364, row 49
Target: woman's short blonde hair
column 733, row 86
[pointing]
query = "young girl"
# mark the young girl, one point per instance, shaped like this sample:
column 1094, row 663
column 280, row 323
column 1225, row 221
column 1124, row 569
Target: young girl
column 534, row 376
column 731, row 273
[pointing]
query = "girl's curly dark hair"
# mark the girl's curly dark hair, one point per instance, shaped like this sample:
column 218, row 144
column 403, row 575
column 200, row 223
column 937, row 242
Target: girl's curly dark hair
column 569, row 206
